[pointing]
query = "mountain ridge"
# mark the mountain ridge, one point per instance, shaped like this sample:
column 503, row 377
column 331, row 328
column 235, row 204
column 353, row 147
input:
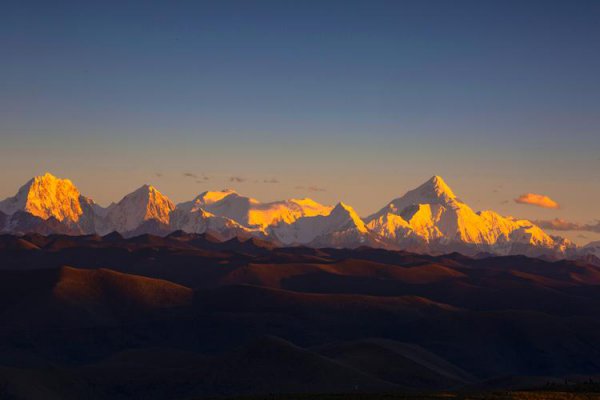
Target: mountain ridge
column 144, row 204
column 429, row 219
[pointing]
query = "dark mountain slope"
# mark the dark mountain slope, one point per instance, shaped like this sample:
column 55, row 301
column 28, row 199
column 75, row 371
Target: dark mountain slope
column 190, row 316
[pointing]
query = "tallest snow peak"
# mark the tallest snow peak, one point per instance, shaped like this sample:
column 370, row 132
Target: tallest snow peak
column 436, row 187
column 434, row 191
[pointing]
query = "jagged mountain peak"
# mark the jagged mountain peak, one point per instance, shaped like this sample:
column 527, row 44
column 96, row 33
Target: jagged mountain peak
column 435, row 189
column 47, row 176
column 50, row 182
column 47, row 196
column 341, row 221
column 251, row 213
column 342, row 207
column 435, row 192
column 147, row 194
column 144, row 204
column 146, row 188
column 429, row 218
column 343, row 211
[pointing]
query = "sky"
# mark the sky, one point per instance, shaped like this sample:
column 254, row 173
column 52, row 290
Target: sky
column 357, row 101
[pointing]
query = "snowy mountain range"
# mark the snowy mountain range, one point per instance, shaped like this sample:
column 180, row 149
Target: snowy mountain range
column 429, row 219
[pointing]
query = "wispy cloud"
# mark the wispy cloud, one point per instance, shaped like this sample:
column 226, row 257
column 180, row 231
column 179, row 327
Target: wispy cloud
column 237, row 179
column 559, row 224
column 311, row 188
column 538, row 200
column 198, row 178
column 272, row 180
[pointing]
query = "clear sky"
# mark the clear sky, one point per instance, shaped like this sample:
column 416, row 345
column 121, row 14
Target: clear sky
column 336, row 100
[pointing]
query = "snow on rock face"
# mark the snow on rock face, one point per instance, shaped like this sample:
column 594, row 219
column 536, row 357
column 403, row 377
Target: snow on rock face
column 434, row 191
column 251, row 213
column 267, row 214
column 198, row 220
column 306, row 229
column 47, row 196
column 51, row 205
column 144, row 204
column 592, row 248
column 432, row 215
column 428, row 219
column 342, row 216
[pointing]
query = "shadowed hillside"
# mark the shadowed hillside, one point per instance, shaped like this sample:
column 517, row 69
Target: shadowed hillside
column 188, row 316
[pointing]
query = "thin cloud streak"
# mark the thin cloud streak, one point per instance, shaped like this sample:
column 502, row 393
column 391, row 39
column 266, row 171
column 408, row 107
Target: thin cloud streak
column 559, row 224
column 196, row 177
column 311, row 188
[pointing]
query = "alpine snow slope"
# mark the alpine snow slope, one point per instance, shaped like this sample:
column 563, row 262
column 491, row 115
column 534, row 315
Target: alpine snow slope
column 429, row 219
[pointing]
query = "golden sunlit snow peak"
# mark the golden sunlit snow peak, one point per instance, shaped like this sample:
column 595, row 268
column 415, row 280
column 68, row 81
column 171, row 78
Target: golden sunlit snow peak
column 47, row 196
column 440, row 187
column 144, row 204
column 432, row 213
column 428, row 217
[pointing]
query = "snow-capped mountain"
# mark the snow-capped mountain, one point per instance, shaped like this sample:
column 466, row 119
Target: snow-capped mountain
column 342, row 227
column 201, row 221
column 191, row 217
column 431, row 218
column 47, row 200
column 251, row 213
column 145, row 206
column 428, row 219
column 590, row 253
column 592, row 248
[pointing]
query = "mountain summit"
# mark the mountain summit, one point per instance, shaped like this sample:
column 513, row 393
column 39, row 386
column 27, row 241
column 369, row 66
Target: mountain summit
column 251, row 213
column 144, row 204
column 308, row 229
column 431, row 219
column 428, row 219
column 435, row 189
column 46, row 196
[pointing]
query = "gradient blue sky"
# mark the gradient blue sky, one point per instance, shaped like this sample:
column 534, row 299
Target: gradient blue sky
column 363, row 99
